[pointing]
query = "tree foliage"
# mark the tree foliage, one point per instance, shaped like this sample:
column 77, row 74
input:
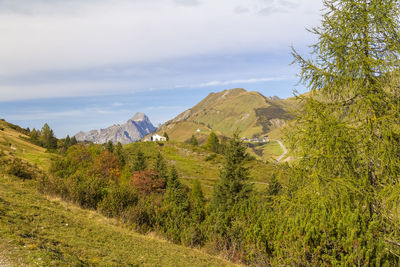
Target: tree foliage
column 348, row 136
column 212, row 142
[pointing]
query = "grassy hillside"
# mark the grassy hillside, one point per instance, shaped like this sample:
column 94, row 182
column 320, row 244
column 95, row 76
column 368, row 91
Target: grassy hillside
column 197, row 163
column 251, row 113
column 225, row 112
column 37, row 230
column 13, row 143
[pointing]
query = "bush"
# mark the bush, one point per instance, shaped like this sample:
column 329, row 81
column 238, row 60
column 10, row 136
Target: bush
column 21, row 169
column 117, row 200
column 147, row 182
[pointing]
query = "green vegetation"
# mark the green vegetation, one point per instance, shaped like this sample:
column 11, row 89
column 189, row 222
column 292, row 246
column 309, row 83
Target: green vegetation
column 36, row 230
column 40, row 230
column 337, row 204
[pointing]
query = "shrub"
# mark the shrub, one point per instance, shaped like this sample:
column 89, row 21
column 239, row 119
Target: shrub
column 21, row 169
column 118, row 199
column 147, row 182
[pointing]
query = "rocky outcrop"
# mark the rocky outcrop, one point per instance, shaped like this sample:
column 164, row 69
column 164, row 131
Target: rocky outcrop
column 131, row 131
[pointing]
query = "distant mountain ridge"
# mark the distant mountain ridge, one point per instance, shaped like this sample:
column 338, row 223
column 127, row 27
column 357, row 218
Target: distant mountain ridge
column 131, row 131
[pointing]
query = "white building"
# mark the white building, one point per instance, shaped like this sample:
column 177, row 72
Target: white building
column 156, row 137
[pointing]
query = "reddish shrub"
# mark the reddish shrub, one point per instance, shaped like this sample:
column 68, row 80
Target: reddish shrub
column 147, row 182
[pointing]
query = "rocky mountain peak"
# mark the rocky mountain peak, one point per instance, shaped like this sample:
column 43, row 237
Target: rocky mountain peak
column 139, row 116
column 131, row 131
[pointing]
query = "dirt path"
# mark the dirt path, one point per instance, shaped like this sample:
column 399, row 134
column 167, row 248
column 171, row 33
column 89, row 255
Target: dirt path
column 284, row 150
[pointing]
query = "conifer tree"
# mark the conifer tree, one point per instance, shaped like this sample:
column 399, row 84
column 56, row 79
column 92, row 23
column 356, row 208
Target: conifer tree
column 73, row 141
column 176, row 207
column 110, row 146
column 232, row 186
column 140, row 161
column 193, row 141
column 347, row 134
column 47, row 137
column 166, row 136
column 197, row 201
column 160, row 166
column 118, row 151
column 213, row 142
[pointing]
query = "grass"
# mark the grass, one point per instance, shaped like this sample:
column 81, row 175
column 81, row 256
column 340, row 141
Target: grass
column 35, row 230
column 198, row 163
column 13, row 143
column 38, row 230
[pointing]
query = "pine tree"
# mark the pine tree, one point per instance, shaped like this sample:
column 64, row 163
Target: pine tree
column 347, row 135
column 213, row 142
column 67, row 142
column 110, row 146
column 118, row 151
column 232, row 186
column 274, row 187
column 193, row 141
column 166, row 136
column 73, row 141
column 140, row 161
column 161, row 167
column 197, row 201
column 176, row 207
column 47, row 137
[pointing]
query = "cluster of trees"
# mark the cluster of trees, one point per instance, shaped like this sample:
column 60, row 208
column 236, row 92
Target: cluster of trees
column 46, row 138
column 212, row 143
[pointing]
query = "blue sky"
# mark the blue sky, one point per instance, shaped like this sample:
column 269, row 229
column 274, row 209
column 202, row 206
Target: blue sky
column 82, row 65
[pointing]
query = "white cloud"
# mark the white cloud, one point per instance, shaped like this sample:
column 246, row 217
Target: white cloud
column 62, row 89
column 230, row 82
column 41, row 36
column 46, row 115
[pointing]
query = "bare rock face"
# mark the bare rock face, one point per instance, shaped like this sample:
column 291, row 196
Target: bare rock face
column 131, row 131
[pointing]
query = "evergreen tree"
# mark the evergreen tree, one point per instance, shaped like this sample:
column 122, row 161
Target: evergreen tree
column 160, row 166
column 213, row 142
column 140, row 161
column 347, row 137
column 67, row 142
column 232, row 186
column 176, row 207
column 47, row 137
column 197, row 201
column 110, row 146
column 166, row 136
column 118, row 151
column 73, row 141
column 35, row 135
column 193, row 141
column 274, row 187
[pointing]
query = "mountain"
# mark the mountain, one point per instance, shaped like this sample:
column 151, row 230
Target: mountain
column 131, row 131
column 251, row 113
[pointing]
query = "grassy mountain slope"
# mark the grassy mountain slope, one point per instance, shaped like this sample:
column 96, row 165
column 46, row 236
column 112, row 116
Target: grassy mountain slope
column 37, row 230
column 224, row 112
column 251, row 113
column 197, row 163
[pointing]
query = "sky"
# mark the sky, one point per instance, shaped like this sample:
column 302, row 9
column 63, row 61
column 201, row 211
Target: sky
column 87, row 64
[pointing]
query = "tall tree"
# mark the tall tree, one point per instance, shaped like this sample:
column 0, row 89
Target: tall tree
column 213, row 142
column 348, row 134
column 140, row 161
column 232, row 186
column 47, row 137
column 110, row 146
column 160, row 166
